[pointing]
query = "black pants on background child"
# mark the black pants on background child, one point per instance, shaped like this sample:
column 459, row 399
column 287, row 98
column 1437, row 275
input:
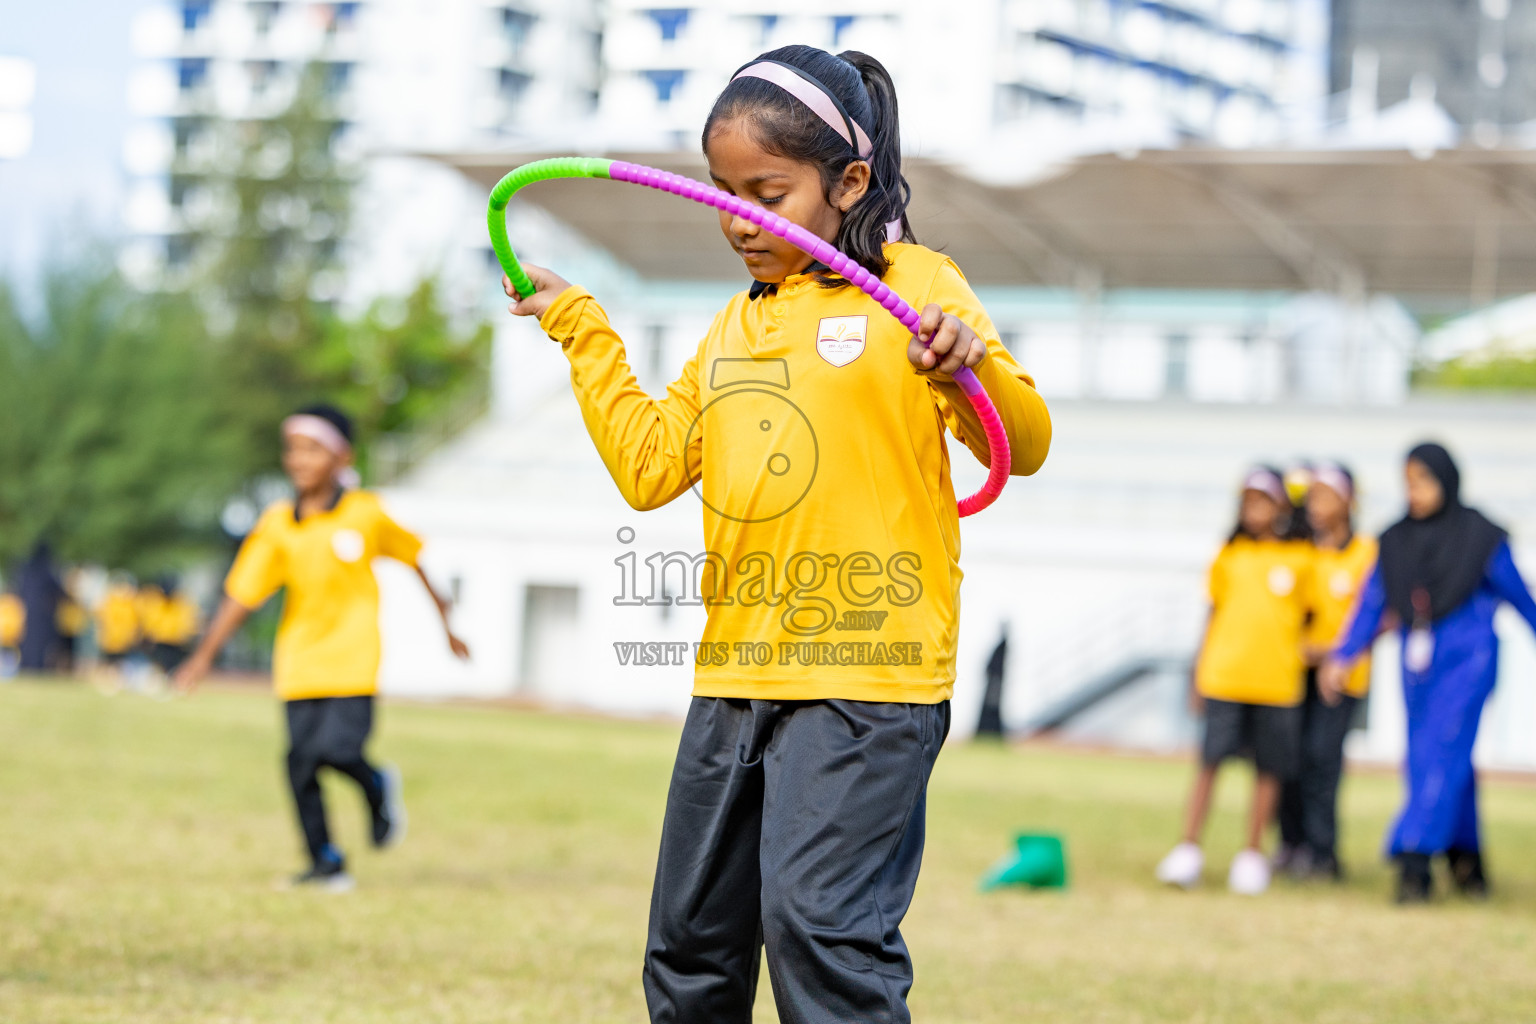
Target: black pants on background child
column 330, row 732
column 1309, row 817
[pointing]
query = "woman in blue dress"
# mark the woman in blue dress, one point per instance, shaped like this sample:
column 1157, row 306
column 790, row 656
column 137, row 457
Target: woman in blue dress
column 1442, row 572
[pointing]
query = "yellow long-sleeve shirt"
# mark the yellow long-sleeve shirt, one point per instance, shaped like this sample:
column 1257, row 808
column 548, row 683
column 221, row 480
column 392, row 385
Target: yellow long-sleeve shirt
column 832, row 562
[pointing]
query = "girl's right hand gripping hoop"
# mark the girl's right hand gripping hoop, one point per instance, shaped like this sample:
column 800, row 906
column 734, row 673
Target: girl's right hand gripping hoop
column 998, row 461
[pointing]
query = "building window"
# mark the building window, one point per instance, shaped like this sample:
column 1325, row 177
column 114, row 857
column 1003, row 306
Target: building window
column 186, row 133
column 191, row 72
column 511, row 84
column 841, row 24
column 337, row 75
column 515, row 24
column 264, row 14
column 766, row 24
column 262, row 73
column 346, row 15
column 670, row 20
column 665, row 82
column 1176, row 378
column 194, row 14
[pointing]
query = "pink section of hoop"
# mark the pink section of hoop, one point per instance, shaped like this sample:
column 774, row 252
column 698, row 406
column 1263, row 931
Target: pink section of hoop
column 999, row 462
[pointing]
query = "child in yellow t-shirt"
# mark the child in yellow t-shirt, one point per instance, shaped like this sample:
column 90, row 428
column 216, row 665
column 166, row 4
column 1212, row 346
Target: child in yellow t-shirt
column 13, row 624
column 71, row 621
column 1249, row 675
column 118, row 626
column 170, row 623
column 812, row 427
column 1342, row 560
column 320, row 547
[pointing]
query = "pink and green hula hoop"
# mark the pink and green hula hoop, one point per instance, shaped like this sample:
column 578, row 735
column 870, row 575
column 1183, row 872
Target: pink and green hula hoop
column 618, row 170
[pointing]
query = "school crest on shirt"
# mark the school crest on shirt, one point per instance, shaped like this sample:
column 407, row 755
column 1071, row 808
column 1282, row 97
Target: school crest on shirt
column 1281, row 581
column 840, row 339
column 348, row 545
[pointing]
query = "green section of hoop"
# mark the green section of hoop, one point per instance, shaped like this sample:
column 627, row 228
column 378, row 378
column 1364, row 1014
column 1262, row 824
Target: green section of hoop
column 539, row 170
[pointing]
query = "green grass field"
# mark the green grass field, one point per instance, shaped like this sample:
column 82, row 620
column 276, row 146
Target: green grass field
column 140, row 840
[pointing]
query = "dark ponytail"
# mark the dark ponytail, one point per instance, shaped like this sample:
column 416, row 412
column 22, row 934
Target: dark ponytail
column 786, row 127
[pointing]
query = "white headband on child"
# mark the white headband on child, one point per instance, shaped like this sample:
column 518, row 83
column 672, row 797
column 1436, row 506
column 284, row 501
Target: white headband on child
column 814, row 96
column 1265, row 482
column 1334, row 478
column 820, row 101
column 320, row 430
column 324, row 433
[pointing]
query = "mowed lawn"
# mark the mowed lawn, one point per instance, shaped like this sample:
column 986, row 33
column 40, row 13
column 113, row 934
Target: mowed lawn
column 140, row 841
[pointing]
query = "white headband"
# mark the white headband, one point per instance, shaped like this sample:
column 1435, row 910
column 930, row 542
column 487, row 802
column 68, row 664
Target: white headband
column 1336, row 480
column 320, row 430
column 815, row 97
column 1265, row 482
column 821, row 104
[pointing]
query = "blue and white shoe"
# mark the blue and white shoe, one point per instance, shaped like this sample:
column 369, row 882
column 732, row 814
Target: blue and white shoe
column 389, row 820
column 329, row 873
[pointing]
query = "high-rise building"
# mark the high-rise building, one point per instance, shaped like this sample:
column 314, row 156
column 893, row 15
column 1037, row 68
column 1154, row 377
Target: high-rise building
column 1233, row 72
column 399, row 77
column 995, row 86
column 1473, row 56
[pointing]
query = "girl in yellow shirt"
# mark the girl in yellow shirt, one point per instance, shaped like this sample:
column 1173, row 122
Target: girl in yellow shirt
column 117, row 622
column 1342, row 559
column 813, row 434
column 1248, row 675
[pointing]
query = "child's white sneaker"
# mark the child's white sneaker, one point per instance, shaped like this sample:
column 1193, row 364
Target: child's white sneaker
column 1250, row 873
column 1182, row 866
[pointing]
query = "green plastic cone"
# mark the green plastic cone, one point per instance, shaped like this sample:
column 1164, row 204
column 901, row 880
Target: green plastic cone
column 1038, row 862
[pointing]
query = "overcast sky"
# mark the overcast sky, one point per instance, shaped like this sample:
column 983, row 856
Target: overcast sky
column 72, row 178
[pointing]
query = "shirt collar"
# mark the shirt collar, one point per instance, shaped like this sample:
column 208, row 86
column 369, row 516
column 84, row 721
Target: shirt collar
column 335, row 500
column 759, row 287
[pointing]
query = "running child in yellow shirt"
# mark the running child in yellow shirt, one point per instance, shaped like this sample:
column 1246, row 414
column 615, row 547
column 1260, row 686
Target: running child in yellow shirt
column 811, row 425
column 320, row 547
column 1249, row 676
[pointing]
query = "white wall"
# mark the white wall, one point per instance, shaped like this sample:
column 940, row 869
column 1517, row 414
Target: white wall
column 1098, row 558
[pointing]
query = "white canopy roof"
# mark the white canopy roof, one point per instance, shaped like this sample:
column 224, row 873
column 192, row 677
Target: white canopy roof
column 1456, row 223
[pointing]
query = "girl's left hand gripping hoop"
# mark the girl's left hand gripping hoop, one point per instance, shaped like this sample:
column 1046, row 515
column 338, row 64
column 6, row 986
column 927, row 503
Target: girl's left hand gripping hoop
column 998, row 462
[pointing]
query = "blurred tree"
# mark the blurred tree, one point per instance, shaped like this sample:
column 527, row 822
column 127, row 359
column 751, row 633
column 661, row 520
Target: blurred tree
column 130, row 419
column 402, row 364
column 272, row 277
column 115, row 443
column 1499, row 373
column 268, row 270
